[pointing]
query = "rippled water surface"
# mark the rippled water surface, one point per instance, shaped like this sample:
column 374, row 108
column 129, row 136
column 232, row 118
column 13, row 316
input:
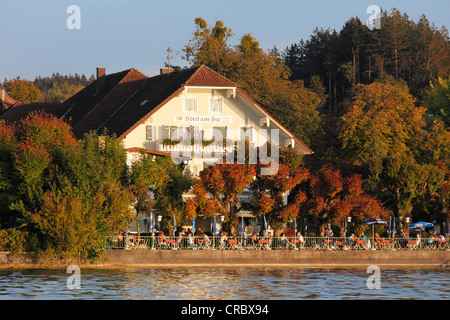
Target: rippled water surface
column 225, row 283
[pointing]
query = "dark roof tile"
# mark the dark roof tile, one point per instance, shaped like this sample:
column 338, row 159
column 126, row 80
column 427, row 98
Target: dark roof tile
column 22, row 109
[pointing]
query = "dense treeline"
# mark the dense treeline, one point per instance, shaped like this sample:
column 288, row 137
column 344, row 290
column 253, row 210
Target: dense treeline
column 54, row 89
column 46, row 83
column 416, row 52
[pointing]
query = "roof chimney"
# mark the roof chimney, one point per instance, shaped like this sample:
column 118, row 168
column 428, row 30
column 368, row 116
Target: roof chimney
column 101, row 79
column 2, row 94
column 166, row 70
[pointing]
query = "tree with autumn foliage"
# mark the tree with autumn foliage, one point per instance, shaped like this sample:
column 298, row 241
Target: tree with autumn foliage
column 332, row 196
column 23, row 90
column 278, row 196
column 217, row 190
column 384, row 133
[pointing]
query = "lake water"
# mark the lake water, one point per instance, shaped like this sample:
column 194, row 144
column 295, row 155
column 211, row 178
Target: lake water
column 225, row 283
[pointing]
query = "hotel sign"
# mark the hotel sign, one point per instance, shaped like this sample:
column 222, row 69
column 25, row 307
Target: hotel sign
column 190, row 118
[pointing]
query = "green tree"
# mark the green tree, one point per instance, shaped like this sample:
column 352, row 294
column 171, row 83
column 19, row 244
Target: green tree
column 61, row 92
column 158, row 183
column 438, row 99
column 67, row 195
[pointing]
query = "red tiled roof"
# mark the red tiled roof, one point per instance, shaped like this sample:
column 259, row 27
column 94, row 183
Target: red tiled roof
column 207, row 77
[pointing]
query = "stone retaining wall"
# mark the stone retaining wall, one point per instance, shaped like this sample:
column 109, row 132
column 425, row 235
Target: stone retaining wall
column 300, row 258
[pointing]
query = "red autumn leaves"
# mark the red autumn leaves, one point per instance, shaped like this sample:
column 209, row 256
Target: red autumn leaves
column 293, row 192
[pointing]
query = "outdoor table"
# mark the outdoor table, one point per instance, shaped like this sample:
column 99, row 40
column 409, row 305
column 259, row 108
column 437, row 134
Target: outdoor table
column 385, row 244
column 137, row 243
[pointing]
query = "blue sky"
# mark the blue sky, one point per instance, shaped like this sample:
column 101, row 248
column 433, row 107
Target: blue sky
column 119, row 35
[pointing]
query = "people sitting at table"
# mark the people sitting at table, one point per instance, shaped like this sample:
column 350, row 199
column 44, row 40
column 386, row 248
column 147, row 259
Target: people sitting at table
column 190, row 240
column 363, row 237
column 351, row 241
column 206, row 239
column 254, row 239
column 181, row 234
column 299, row 237
column 284, row 241
column 223, row 239
column 378, row 241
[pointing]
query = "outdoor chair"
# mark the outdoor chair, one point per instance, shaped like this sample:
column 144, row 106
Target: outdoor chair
column 387, row 244
column 283, row 244
column 233, row 244
column 412, row 245
column 442, row 245
column 222, row 243
column 430, row 244
column 172, row 243
column 264, row 244
column 360, row 244
column 132, row 243
column 252, row 244
column 297, row 243
column 340, row 245
column 203, row 244
column 161, row 243
column 328, row 244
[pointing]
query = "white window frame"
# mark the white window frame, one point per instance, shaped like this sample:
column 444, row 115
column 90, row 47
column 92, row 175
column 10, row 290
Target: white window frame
column 152, row 132
column 157, row 132
column 210, row 105
column 219, row 126
column 252, row 135
column 185, row 104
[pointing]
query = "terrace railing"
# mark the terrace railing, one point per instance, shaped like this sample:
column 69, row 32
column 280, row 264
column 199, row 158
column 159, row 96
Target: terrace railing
column 271, row 243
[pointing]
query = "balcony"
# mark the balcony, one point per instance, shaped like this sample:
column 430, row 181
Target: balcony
column 196, row 148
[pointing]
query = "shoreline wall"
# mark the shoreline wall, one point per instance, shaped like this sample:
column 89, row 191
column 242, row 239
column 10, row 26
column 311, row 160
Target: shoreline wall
column 243, row 258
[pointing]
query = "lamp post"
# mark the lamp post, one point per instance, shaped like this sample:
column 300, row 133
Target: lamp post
column 158, row 219
column 349, row 219
column 407, row 220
